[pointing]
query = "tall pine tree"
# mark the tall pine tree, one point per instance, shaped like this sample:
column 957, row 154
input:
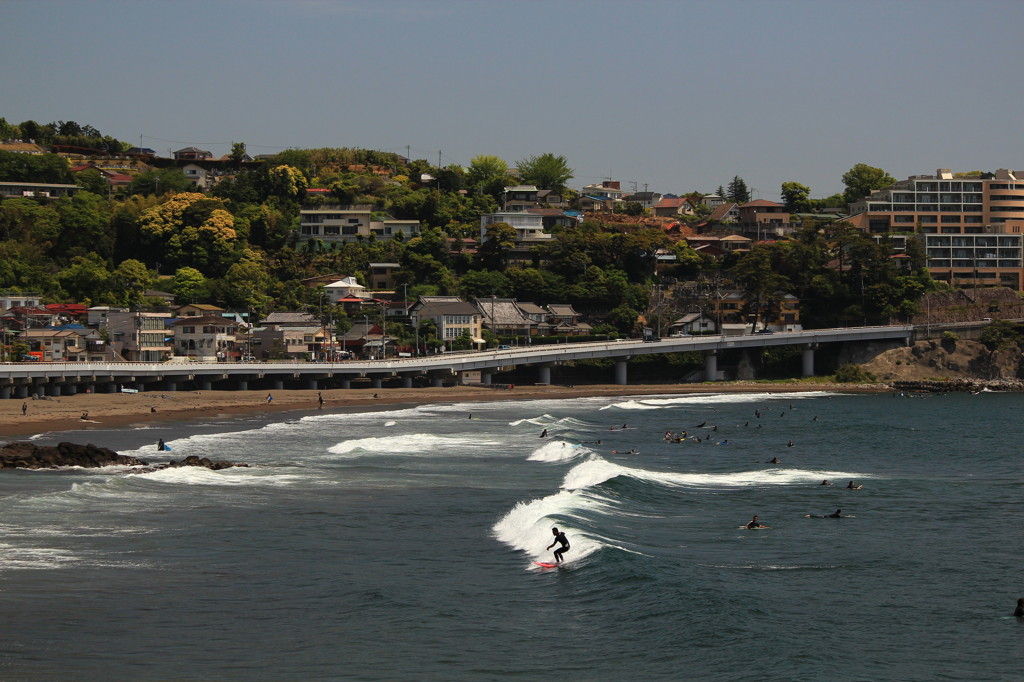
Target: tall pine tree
column 738, row 191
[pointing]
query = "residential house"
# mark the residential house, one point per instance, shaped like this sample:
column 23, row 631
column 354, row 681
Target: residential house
column 46, row 190
column 296, row 342
column 550, row 198
column 67, row 343
column 206, row 338
column 566, row 321
column 11, row 300
column 764, row 218
column 553, row 217
column 672, row 206
column 693, row 323
column 503, row 317
column 450, row 314
column 608, row 189
column 97, row 315
column 197, row 310
column 529, row 226
column 388, row 229
column 346, row 288
column 334, row 222
column 192, row 154
column 727, row 212
column 165, row 297
column 140, row 336
column 730, row 308
column 113, row 179
column 200, row 178
column 382, row 275
column 646, row 199
column 519, row 198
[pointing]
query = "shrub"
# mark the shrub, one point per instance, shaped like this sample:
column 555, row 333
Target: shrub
column 853, row 374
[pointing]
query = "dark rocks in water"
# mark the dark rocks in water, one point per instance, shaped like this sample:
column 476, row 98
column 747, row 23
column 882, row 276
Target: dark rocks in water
column 25, row 455
column 193, row 461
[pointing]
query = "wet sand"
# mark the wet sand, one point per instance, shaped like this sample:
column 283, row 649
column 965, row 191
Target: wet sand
column 107, row 410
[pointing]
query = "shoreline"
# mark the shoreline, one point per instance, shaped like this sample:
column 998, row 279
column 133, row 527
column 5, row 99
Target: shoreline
column 125, row 410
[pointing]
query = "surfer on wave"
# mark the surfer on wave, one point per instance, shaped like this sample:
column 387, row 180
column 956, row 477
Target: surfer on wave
column 559, row 539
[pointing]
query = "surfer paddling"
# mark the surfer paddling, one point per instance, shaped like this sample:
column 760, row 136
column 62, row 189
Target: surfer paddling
column 559, row 539
column 755, row 523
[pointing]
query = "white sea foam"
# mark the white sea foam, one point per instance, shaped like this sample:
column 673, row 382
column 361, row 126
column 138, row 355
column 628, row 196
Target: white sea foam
column 697, row 400
column 15, row 557
column 558, row 451
column 597, row 470
column 225, row 477
column 527, row 526
column 390, row 423
column 417, row 443
column 542, row 420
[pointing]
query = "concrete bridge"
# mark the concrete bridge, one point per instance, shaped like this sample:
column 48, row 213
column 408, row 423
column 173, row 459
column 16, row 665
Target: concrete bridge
column 20, row 380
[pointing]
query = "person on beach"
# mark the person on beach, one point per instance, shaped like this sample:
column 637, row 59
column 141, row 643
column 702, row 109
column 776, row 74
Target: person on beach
column 270, row 399
column 559, row 539
column 85, row 416
column 755, row 523
column 320, row 400
column 24, row 409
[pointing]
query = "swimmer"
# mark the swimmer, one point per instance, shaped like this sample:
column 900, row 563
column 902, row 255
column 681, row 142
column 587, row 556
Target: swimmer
column 755, row 523
column 826, row 482
column 838, row 515
column 1019, row 611
column 815, row 418
column 789, row 444
column 851, row 486
column 774, row 460
column 701, row 425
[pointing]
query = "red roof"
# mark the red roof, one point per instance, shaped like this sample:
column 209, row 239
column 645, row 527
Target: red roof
column 72, row 308
column 670, row 202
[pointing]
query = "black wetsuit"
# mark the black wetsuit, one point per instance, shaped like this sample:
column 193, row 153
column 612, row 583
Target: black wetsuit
column 560, row 538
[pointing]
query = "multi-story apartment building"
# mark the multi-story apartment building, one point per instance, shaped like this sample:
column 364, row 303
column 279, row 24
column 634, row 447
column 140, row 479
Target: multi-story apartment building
column 337, row 223
column 139, row 336
column 972, row 226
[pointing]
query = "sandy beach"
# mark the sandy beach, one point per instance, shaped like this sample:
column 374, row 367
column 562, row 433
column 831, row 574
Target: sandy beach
column 106, row 410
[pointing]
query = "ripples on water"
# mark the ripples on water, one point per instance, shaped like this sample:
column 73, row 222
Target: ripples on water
column 400, row 545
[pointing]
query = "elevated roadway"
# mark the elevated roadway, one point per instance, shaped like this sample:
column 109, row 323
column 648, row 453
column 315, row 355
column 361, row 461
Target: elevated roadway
column 20, row 380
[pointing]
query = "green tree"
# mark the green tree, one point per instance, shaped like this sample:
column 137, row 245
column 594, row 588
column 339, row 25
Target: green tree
column 84, row 225
column 763, row 287
column 499, row 240
column 187, row 284
column 484, row 283
column 131, row 278
column 237, row 152
column 796, row 197
column 91, row 180
column 546, row 171
column 862, row 180
column 487, row 174
column 738, row 191
column 87, row 277
column 159, row 181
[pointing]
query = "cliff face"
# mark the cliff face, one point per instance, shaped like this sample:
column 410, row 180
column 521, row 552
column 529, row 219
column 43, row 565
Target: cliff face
column 945, row 359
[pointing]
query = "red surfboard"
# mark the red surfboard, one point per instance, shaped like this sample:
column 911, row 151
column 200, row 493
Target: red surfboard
column 545, row 564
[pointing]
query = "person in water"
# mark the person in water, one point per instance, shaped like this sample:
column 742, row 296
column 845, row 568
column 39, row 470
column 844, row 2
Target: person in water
column 826, row 482
column 559, row 539
column 851, row 486
column 161, row 446
column 544, row 433
column 774, row 460
column 755, row 523
column 1019, row 611
column 789, row 444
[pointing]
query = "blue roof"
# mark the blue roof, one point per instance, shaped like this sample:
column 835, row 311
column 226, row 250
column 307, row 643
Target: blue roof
column 70, row 326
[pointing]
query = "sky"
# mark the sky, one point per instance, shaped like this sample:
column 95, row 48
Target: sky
column 674, row 96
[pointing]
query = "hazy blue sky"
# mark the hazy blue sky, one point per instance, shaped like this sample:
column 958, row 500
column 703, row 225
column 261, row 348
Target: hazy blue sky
column 678, row 96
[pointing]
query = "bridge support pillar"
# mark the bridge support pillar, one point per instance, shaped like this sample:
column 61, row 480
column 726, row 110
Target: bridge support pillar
column 436, row 379
column 110, row 387
column 309, row 384
column 54, row 390
column 70, row 388
column 808, row 361
column 170, row 386
column 346, row 383
column 205, row 384
column 21, row 391
column 485, row 378
column 242, row 385
column 277, row 384
column 5, row 392
column 544, row 373
column 89, row 387
column 378, row 382
column 710, row 365
column 406, row 381
column 621, row 375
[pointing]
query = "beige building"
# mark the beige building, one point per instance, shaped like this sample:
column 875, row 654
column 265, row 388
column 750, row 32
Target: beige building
column 972, row 226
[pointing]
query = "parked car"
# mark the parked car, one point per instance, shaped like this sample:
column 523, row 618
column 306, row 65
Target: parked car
column 503, row 347
column 764, row 331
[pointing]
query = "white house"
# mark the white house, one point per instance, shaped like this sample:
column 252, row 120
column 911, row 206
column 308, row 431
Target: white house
column 344, row 288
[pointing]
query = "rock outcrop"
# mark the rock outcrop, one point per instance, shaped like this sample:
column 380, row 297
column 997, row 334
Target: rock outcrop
column 25, row 455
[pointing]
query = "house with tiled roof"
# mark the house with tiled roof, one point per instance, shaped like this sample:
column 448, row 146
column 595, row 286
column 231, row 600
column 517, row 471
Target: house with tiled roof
column 728, row 212
column 197, row 310
column 452, row 316
column 766, row 217
column 206, row 338
column 672, row 206
column 503, row 317
column 192, row 154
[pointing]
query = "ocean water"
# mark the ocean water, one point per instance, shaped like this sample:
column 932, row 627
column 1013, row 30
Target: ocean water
column 399, row 545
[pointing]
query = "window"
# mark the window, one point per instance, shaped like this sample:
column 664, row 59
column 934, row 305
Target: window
column 928, row 219
column 951, row 219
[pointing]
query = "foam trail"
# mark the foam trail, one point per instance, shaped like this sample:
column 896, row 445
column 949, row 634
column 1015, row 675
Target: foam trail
column 527, row 526
column 543, row 420
column 390, row 423
column 698, row 400
column 558, row 451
